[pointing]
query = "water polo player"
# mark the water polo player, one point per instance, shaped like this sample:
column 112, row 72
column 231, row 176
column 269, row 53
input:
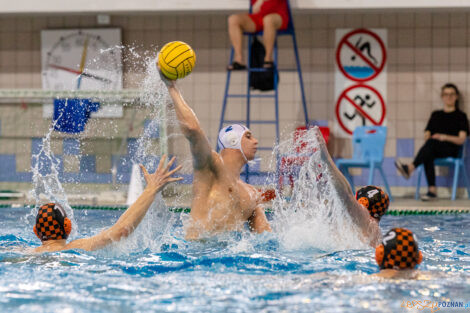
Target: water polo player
column 398, row 251
column 221, row 200
column 53, row 226
column 367, row 226
column 374, row 199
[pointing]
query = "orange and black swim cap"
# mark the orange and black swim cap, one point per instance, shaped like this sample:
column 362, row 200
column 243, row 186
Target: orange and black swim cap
column 52, row 223
column 399, row 250
column 374, row 199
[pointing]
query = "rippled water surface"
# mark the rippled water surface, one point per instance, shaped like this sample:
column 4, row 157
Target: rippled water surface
column 236, row 273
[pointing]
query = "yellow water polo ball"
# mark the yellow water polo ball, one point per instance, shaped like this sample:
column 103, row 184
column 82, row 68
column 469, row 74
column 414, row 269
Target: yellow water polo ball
column 176, row 60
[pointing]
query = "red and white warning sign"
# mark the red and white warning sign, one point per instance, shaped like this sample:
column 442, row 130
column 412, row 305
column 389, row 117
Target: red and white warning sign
column 360, row 79
column 361, row 55
column 360, row 105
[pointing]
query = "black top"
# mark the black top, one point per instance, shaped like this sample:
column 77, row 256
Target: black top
column 448, row 123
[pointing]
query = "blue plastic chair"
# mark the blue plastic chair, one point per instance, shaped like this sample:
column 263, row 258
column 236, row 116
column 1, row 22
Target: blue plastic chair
column 368, row 152
column 457, row 163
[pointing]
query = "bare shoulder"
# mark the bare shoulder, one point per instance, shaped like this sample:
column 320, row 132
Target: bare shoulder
column 82, row 244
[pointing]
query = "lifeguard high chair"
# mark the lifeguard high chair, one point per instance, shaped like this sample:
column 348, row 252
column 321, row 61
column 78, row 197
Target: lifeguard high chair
column 273, row 95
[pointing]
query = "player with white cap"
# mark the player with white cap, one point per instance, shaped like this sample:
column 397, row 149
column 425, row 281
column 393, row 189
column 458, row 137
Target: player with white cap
column 221, row 200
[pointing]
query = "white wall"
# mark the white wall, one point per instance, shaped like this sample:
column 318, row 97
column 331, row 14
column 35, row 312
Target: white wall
column 381, row 4
column 152, row 6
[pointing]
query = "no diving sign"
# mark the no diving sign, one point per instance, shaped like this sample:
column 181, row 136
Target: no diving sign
column 361, row 55
column 359, row 105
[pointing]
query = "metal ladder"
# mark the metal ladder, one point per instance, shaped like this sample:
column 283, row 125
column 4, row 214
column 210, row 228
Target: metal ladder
column 275, row 94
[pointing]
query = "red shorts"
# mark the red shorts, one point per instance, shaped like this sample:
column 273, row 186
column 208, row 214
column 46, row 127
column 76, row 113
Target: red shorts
column 270, row 7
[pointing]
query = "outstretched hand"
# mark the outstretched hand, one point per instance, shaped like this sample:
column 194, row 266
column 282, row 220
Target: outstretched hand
column 162, row 176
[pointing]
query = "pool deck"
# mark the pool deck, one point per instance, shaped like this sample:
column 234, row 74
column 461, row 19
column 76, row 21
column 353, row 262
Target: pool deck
column 443, row 204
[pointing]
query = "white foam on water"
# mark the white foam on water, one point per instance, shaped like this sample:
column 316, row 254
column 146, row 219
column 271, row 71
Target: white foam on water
column 315, row 216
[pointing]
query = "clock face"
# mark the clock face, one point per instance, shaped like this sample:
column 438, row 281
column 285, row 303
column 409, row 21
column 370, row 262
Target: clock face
column 88, row 59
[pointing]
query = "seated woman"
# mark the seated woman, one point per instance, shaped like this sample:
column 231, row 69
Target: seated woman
column 267, row 15
column 445, row 133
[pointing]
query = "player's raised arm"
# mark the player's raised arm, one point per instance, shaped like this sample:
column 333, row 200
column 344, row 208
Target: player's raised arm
column 191, row 128
column 359, row 215
column 132, row 217
column 176, row 60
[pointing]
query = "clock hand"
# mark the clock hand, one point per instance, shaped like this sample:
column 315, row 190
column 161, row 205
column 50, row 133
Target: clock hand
column 65, row 69
column 79, row 73
column 96, row 77
column 82, row 62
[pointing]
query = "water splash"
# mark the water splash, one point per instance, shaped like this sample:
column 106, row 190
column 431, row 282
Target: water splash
column 46, row 184
column 314, row 216
column 46, row 166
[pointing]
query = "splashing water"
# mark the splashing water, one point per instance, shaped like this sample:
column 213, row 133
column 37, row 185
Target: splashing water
column 45, row 169
column 45, row 166
column 157, row 226
column 315, row 216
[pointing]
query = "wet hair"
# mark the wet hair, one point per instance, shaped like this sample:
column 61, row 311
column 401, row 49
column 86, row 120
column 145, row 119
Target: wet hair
column 453, row 86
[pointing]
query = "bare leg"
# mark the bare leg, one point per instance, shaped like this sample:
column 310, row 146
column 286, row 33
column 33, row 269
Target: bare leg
column 237, row 24
column 359, row 215
column 271, row 23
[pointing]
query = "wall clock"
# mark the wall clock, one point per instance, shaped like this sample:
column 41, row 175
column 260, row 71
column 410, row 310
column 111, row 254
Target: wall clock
column 82, row 59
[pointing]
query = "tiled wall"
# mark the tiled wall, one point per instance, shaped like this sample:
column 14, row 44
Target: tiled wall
column 425, row 50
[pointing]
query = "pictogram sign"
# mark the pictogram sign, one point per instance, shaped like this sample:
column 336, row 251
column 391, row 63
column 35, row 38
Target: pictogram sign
column 361, row 55
column 360, row 105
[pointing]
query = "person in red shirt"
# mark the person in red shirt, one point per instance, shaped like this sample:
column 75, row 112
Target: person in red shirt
column 269, row 16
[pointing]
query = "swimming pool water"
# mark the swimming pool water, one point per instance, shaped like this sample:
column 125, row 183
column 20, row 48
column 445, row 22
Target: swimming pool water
column 236, row 273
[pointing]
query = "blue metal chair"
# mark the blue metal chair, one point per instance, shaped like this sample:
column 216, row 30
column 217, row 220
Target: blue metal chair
column 457, row 163
column 368, row 152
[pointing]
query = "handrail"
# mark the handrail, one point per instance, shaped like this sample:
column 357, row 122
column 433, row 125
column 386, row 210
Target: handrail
column 46, row 96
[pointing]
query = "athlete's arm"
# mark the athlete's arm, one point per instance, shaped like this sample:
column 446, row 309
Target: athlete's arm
column 258, row 222
column 359, row 215
column 134, row 214
column 191, row 128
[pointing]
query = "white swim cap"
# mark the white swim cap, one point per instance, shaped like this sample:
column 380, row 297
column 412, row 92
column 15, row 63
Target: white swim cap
column 231, row 137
